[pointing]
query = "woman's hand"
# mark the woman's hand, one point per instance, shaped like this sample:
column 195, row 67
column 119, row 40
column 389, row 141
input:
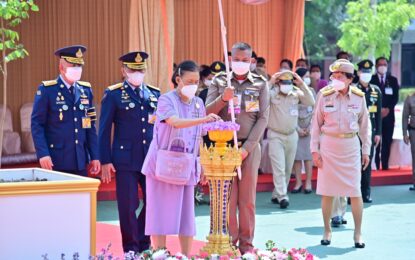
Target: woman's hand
column 317, row 161
column 203, row 180
column 211, row 118
column 365, row 161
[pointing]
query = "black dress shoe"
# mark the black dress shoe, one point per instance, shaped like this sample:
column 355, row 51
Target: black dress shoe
column 284, row 204
column 297, row 190
column 275, row 201
column 308, row 191
column 325, row 242
column 367, row 200
column 336, row 222
column 412, row 188
column 359, row 245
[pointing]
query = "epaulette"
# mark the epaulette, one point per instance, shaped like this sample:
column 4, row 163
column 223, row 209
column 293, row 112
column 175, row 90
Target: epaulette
column 258, row 76
column 153, row 87
column 357, row 91
column 115, row 86
column 296, row 88
column 84, row 83
column 327, row 91
column 222, row 73
column 48, row 83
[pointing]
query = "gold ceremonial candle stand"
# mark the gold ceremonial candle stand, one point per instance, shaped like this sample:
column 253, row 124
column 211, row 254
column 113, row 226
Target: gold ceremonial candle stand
column 219, row 163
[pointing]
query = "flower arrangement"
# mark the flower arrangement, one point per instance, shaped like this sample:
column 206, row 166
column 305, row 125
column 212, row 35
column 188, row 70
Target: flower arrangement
column 221, row 126
column 271, row 253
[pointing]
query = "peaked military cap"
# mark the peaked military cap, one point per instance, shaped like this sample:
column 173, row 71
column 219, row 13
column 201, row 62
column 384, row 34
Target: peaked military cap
column 286, row 77
column 342, row 65
column 365, row 66
column 73, row 54
column 135, row 60
column 217, row 67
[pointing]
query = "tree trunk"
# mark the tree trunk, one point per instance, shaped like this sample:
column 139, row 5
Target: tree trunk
column 371, row 54
column 3, row 115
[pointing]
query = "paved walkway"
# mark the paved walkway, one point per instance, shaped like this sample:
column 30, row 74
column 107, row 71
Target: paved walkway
column 388, row 225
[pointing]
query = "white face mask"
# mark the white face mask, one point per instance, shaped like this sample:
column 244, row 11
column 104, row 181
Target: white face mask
column 73, row 73
column 189, row 91
column 207, row 82
column 307, row 81
column 382, row 69
column 135, row 78
column 365, row 77
column 286, row 88
column 240, row 67
column 315, row 75
column 252, row 67
column 338, row 84
column 284, row 69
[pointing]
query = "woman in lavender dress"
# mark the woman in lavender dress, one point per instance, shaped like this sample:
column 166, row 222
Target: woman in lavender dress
column 170, row 207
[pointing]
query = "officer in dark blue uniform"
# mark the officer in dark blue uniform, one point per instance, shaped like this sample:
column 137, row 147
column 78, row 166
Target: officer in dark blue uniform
column 373, row 97
column 63, row 118
column 131, row 107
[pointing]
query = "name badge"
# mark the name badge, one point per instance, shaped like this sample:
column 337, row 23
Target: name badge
column 151, row 118
column 236, row 104
column 294, row 111
column 86, row 122
column 252, row 106
column 373, row 109
column 388, row 91
column 329, row 109
column 85, row 101
column 153, row 99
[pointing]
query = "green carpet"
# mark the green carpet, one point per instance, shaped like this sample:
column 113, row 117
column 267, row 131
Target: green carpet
column 388, row 225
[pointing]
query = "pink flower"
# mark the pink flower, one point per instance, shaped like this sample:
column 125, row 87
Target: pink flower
column 204, row 255
column 309, row 257
column 224, row 257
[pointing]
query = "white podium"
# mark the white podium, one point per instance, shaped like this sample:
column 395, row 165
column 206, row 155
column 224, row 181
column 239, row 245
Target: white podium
column 46, row 217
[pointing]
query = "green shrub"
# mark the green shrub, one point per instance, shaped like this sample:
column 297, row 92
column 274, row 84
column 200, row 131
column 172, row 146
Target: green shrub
column 404, row 92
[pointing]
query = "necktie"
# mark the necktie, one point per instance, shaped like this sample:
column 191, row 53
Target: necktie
column 71, row 90
column 139, row 92
column 382, row 82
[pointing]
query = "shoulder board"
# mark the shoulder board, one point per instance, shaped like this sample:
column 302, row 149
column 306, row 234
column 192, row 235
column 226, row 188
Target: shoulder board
column 258, row 76
column 152, row 87
column 327, row 91
column 84, row 83
column 357, row 91
column 296, row 88
column 374, row 87
column 115, row 86
column 222, row 73
column 48, row 83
